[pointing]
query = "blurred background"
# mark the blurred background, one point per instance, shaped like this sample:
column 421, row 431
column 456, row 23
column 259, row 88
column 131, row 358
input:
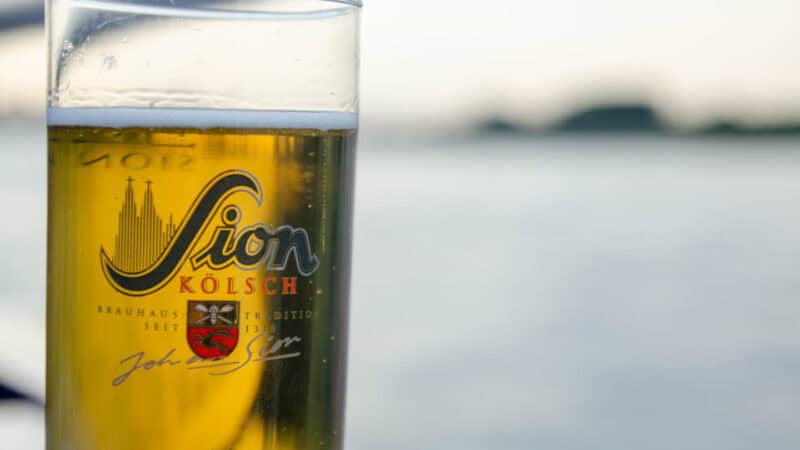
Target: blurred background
column 606, row 194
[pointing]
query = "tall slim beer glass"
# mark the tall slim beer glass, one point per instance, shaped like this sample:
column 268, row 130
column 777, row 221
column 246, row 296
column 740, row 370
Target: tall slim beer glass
column 201, row 158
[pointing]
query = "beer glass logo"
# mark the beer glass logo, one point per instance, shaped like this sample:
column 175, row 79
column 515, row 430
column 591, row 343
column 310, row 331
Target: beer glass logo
column 149, row 251
column 141, row 236
column 212, row 328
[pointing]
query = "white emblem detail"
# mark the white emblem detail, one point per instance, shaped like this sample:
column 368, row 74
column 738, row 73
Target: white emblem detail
column 213, row 313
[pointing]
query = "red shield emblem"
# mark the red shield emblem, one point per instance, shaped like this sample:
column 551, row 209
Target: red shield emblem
column 212, row 328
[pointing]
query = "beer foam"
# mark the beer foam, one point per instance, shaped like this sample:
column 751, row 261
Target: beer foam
column 201, row 118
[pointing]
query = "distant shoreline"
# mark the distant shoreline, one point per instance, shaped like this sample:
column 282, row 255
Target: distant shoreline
column 632, row 119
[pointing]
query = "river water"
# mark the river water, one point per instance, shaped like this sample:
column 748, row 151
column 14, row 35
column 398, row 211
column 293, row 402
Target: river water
column 574, row 292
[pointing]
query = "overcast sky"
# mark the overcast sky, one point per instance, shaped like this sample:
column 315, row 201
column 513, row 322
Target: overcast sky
column 448, row 62
column 695, row 57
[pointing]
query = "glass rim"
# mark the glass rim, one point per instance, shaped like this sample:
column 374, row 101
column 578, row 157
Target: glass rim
column 182, row 11
column 356, row 3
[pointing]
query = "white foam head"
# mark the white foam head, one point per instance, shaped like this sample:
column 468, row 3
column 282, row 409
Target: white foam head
column 201, row 118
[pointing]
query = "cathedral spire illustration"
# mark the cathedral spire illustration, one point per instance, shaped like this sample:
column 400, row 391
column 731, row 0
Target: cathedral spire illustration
column 142, row 236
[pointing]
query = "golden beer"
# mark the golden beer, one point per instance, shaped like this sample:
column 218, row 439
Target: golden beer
column 198, row 276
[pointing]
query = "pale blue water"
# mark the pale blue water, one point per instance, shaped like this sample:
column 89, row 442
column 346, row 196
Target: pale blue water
column 564, row 293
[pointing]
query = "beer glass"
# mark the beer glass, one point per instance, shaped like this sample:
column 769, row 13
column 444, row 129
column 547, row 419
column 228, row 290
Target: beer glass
column 201, row 158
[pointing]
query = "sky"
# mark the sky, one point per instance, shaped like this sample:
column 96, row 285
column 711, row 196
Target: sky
column 537, row 59
column 446, row 63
